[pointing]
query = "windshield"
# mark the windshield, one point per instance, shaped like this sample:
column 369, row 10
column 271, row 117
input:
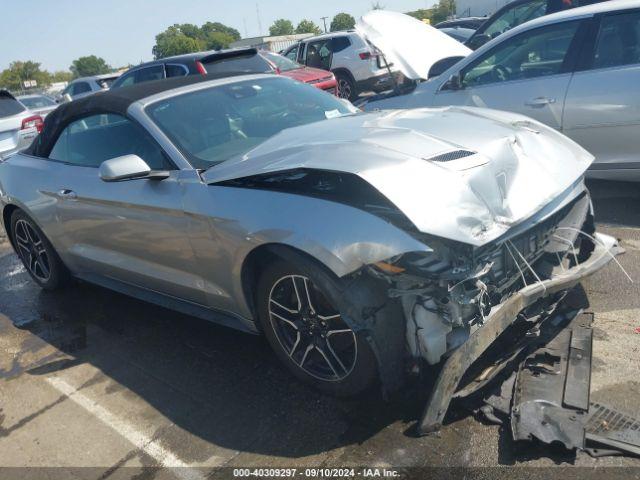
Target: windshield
column 282, row 63
column 515, row 16
column 213, row 125
column 37, row 102
column 249, row 63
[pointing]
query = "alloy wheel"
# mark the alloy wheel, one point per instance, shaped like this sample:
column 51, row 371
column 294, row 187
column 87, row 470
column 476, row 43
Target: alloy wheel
column 32, row 250
column 310, row 330
column 344, row 89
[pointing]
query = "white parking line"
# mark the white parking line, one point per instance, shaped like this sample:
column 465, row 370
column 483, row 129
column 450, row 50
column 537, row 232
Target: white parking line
column 141, row 441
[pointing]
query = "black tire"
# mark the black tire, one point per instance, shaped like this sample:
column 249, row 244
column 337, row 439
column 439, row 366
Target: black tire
column 346, row 87
column 355, row 368
column 40, row 260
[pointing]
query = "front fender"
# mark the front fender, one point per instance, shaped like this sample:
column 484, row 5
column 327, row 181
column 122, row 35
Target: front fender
column 239, row 220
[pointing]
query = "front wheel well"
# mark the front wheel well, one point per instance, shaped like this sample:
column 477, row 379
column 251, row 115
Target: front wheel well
column 6, row 219
column 259, row 258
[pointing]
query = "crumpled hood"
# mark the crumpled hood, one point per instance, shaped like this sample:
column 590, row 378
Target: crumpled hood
column 411, row 45
column 511, row 167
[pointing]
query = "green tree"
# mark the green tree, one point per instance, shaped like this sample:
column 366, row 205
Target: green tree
column 13, row 77
column 421, row 14
column 89, row 65
column 173, row 41
column 443, row 11
column 281, row 27
column 307, row 26
column 61, row 76
column 217, row 40
column 187, row 38
column 342, row 21
column 217, row 27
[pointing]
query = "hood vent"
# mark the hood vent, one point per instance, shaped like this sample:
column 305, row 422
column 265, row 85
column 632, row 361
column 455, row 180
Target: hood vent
column 450, row 156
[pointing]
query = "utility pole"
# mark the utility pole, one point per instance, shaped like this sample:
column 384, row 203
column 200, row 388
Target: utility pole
column 260, row 32
column 246, row 32
column 324, row 20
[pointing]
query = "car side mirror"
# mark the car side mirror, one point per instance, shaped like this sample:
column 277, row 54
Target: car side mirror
column 454, row 82
column 442, row 66
column 127, row 167
column 66, row 98
column 477, row 41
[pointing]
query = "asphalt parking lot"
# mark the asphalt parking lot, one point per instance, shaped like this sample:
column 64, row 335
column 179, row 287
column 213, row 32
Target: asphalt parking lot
column 90, row 378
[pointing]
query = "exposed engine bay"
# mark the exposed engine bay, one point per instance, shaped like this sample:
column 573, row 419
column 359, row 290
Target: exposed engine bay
column 448, row 295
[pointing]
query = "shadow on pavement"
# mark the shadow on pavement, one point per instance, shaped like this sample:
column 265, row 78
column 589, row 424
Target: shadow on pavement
column 616, row 203
column 220, row 385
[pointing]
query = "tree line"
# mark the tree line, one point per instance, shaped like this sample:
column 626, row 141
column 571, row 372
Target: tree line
column 186, row 38
column 13, row 78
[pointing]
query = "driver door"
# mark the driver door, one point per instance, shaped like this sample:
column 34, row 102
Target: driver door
column 134, row 232
column 527, row 74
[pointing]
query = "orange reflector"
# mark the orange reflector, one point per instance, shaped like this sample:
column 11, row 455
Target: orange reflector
column 388, row 268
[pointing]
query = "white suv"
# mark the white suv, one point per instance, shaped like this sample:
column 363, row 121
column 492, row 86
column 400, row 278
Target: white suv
column 354, row 61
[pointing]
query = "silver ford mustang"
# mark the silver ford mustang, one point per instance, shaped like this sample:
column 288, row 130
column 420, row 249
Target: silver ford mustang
column 358, row 243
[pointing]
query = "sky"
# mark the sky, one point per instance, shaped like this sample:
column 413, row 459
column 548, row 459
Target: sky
column 55, row 32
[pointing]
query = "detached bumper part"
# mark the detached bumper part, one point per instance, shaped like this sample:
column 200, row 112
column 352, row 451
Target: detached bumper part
column 497, row 321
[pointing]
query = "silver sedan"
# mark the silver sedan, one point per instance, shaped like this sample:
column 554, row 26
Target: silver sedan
column 355, row 242
column 577, row 71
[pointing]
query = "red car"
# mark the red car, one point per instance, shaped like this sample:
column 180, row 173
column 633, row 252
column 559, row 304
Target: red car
column 249, row 60
column 313, row 76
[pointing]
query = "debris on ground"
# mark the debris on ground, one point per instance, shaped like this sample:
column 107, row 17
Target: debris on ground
column 547, row 397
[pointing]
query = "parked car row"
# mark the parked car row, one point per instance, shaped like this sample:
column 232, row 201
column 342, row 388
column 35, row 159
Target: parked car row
column 248, row 60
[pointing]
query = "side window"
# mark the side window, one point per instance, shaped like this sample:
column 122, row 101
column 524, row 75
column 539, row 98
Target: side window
column 90, row 141
column 319, row 54
column 537, row 53
column 81, row 87
column 126, row 80
column 339, row 44
column 148, row 74
column 293, row 53
column 174, row 70
column 618, row 41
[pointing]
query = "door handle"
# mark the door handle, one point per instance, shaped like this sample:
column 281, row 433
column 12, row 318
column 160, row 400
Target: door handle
column 67, row 194
column 540, row 102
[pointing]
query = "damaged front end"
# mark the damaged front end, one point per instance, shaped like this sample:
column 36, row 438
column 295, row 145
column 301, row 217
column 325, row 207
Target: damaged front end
column 459, row 298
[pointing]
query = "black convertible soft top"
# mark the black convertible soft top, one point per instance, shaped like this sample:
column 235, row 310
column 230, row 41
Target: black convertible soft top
column 111, row 101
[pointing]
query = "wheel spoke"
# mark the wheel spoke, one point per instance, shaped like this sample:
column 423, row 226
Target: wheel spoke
column 306, row 354
column 23, row 246
column 33, row 263
column 329, row 362
column 336, row 332
column 30, row 234
column 303, row 294
column 44, row 269
column 21, row 236
column 295, row 345
column 284, row 316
